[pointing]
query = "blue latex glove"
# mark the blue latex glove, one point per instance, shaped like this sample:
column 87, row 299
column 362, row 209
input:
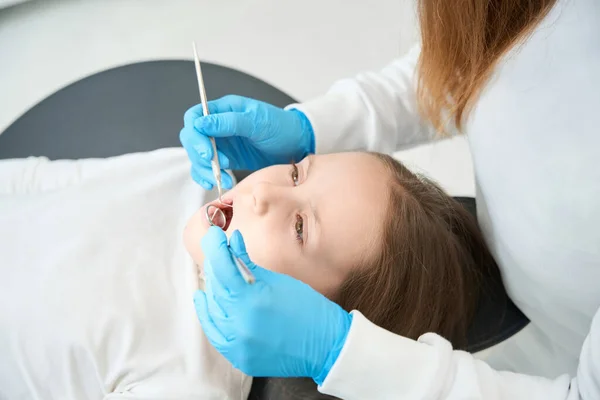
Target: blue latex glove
column 250, row 135
column 277, row 327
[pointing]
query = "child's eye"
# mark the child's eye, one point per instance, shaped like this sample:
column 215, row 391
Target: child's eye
column 295, row 174
column 299, row 226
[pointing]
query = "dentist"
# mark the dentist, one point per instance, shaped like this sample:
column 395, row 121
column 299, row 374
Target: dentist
column 520, row 78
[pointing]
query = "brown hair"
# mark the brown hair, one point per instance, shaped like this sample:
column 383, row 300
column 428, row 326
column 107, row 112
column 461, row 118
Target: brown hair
column 461, row 43
column 426, row 275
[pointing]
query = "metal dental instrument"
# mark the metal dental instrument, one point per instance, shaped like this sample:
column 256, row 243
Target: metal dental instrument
column 243, row 268
column 211, row 217
column 241, row 265
column 216, row 167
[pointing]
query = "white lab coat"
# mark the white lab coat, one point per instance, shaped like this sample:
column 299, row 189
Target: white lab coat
column 535, row 140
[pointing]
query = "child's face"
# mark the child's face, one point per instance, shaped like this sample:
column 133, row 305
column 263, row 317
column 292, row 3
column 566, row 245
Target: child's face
column 315, row 229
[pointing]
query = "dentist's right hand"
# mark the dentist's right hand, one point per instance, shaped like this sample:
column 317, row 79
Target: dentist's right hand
column 277, row 327
column 250, row 134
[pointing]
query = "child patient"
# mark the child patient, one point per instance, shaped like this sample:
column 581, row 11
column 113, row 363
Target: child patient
column 97, row 287
column 363, row 230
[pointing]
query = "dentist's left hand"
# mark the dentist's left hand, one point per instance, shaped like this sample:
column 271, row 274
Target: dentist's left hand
column 277, row 327
column 249, row 134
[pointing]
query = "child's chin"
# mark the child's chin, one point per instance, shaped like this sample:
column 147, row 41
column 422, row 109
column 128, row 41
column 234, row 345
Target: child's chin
column 192, row 239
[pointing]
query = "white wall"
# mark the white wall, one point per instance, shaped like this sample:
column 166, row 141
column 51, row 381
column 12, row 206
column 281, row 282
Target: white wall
column 301, row 47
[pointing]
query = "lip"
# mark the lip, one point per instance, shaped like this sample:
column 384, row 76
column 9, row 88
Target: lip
column 227, row 198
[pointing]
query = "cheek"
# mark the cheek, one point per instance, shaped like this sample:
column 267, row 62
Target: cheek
column 317, row 277
column 278, row 254
column 264, row 246
column 267, row 244
column 192, row 236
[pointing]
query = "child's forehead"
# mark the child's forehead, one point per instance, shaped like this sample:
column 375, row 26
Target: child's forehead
column 347, row 178
column 344, row 177
column 350, row 163
column 351, row 199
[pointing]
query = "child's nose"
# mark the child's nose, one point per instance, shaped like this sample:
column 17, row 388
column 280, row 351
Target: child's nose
column 267, row 196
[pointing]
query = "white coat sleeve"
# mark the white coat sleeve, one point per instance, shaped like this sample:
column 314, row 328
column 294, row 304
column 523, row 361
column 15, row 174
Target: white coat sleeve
column 376, row 364
column 375, row 111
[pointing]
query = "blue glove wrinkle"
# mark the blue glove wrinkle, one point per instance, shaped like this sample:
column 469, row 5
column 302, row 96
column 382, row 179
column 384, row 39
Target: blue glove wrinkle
column 334, row 353
column 205, row 174
column 223, row 160
column 310, row 134
column 208, row 325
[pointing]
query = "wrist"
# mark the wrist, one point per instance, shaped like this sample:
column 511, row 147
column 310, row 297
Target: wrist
column 307, row 133
column 339, row 340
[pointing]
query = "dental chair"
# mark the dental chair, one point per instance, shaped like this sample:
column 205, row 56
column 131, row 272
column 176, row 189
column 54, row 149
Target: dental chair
column 139, row 107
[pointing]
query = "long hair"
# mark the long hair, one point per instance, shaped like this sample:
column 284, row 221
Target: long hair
column 462, row 41
column 426, row 275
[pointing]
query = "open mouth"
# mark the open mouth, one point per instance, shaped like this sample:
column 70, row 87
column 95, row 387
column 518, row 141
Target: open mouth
column 220, row 213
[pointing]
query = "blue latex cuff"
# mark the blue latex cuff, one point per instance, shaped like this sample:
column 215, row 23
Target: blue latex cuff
column 334, row 353
column 307, row 129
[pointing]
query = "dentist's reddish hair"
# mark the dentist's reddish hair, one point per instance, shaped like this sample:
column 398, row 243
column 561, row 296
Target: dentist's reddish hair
column 462, row 41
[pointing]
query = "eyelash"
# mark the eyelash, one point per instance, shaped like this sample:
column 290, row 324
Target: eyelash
column 295, row 174
column 299, row 228
column 299, row 224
